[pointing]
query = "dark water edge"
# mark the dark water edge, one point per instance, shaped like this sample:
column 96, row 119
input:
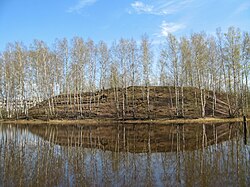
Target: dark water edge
column 124, row 155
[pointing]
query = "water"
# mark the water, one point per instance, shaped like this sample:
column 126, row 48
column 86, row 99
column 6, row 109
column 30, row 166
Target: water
column 124, row 155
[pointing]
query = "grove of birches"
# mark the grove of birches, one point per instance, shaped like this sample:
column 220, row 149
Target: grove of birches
column 214, row 64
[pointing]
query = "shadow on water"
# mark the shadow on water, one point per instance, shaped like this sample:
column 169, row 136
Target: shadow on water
column 124, row 155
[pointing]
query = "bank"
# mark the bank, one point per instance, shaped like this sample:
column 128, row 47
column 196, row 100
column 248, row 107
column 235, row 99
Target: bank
column 206, row 120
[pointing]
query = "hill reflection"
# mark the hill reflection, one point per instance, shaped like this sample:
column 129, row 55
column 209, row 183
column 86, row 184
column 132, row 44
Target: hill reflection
column 136, row 138
column 138, row 155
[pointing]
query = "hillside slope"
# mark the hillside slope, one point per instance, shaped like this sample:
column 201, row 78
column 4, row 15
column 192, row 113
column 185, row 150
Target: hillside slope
column 132, row 103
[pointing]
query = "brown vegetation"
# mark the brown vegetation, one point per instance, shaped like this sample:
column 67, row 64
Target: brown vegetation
column 104, row 105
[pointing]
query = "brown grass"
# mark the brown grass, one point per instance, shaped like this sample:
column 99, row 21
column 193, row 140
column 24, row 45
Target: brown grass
column 104, row 105
column 108, row 121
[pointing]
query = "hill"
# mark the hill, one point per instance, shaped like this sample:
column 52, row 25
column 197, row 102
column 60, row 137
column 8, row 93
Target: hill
column 134, row 103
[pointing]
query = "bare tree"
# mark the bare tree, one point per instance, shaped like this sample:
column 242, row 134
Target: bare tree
column 77, row 74
column 223, row 67
column 1, row 87
column 20, row 57
column 103, row 58
column 133, row 70
column 78, row 68
column 200, row 59
column 61, row 51
column 146, row 60
column 245, row 69
column 232, row 50
column 186, row 75
column 172, row 54
column 213, row 70
column 115, row 77
column 91, row 63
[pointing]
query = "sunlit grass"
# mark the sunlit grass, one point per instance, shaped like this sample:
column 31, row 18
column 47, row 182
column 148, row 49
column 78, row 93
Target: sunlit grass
column 108, row 121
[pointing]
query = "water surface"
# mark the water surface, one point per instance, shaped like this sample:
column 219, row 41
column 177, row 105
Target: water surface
column 124, row 155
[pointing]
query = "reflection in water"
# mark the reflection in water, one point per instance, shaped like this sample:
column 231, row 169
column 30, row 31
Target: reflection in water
column 124, row 155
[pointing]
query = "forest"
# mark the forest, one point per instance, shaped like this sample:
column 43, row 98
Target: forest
column 216, row 63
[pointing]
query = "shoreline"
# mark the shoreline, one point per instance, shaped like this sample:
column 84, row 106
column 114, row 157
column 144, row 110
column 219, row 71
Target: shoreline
column 163, row 121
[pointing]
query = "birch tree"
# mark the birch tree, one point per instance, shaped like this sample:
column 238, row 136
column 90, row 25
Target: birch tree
column 223, row 66
column 213, row 70
column 9, row 80
column 122, row 52
column 173, row 60
column 115, row 77
column 78, row 66
column 104, row 61
column 199, row 57
column 20, row 58
column 232, row 50
column 91, row 59
column 186, row 75
column 133, row 70
column 1, row 87
column 146, row 60
column 61, row 51
column 245, row 69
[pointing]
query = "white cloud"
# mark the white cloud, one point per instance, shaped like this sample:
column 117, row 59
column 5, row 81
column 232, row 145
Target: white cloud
column 80, row 5
column 140, row 7
column 160, row 7
column 170, row 27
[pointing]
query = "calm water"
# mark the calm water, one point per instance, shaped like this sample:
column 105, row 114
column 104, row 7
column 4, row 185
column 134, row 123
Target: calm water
column 124, row 155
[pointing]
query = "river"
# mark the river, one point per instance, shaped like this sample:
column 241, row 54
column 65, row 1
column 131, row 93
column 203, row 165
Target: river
column 124, row 155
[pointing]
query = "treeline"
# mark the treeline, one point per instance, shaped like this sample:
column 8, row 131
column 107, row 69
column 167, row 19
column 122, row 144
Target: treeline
column 219, row 63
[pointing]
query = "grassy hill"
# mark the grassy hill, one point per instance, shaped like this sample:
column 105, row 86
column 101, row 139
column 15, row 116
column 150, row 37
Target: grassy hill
column 132, row 103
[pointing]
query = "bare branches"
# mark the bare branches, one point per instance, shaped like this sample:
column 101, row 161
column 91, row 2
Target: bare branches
column 212, row 64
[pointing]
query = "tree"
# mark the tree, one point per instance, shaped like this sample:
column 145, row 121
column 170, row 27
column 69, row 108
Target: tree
column 115, row 77
column 123, row 56
column 172, row 54
column 186, row 75
column 245, row 71
column 78, row 72
column 200, row 61
column 42, row 60
column 232, row 56
column 223, row 68
column 91, row 59
column 163, row 69
column 9, row 80
column 1, row 87
column 104, row 61
column 61, row 52
column 146, row 60
column 133, row 60
column 20, row 60
column 213, row 70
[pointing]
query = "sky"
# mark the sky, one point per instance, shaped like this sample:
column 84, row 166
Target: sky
column 26, row 20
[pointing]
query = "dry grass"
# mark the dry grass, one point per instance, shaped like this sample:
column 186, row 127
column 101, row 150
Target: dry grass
column 62, row 122
column 103, row 105
column 195, row 121
column 108, row 121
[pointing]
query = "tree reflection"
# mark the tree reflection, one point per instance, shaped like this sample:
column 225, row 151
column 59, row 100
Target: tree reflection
column 123, row 155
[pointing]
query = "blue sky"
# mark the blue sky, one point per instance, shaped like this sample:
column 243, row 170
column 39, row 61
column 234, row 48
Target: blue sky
column 26, row 20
